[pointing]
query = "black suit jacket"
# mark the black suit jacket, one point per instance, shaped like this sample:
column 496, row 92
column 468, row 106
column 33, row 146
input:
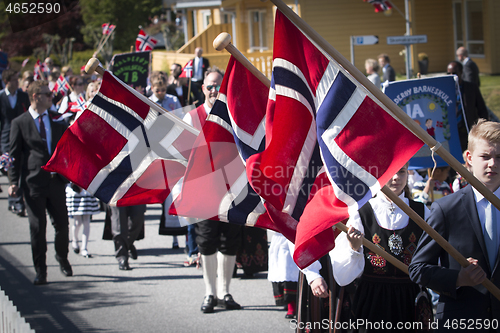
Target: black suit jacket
column 470, row 72
column 455, row 218
column 204, row 67
column 389, row 74
column 30, row 153
column 7, row 114
column 473, row 102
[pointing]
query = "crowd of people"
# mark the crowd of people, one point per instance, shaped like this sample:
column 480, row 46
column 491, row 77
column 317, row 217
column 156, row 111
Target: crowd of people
column 375, row 290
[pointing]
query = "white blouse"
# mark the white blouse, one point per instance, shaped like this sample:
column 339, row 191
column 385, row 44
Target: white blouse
column 349, row 264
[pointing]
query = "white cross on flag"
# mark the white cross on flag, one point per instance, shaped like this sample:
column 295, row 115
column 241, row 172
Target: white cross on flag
column 122, row 150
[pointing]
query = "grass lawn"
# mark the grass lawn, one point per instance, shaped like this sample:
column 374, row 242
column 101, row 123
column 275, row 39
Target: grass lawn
column 490, row 89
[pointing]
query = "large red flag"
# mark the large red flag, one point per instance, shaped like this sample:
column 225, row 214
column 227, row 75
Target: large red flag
column 122, row 150
column 319, row 106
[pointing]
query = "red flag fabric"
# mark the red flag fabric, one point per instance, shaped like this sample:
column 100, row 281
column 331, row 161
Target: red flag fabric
column 144, row 42
column 40, row 71
column 315, row 104
column 121, row 150
column 187, row 70
column 216, row 169
column 380, row 5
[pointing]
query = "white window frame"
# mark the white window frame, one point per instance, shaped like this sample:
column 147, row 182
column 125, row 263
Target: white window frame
column 261, row 29
column 465, row 26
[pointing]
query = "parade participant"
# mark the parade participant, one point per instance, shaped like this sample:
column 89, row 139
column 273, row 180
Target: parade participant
column 471, row 71
column 200, row 67
column 33, row 138
column 371, row 67
column 176, row 86
column 13, row 103
column 384, row 293
column 78, row 88
column 166, row 101
column 283, row 274
column 218, row 242
column 472, row 101
column 388, row 72
column 470, row 224
column 434, row 187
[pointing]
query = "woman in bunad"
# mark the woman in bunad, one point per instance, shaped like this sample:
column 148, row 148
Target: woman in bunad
column 78, row 88
column 384, row 293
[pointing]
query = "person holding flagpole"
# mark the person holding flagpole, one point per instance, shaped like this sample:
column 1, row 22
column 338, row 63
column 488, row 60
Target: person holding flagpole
column 77, row 89
column 470, row 223
column 218, row 242
column 383, row 293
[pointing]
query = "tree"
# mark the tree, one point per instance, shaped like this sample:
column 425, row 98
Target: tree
column 127, row 15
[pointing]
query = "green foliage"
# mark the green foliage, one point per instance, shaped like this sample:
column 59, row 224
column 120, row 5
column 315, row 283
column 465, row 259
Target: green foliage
column 490, row 89
column 127, row 15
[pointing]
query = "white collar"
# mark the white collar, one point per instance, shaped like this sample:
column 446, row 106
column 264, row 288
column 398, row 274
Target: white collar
column 480, row 197
column 35, row 114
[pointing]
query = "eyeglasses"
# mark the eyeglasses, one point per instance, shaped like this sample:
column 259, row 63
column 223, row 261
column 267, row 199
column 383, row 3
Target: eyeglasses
column 452, row 73
column 79, row 84
column 217, row 87
column 49, row 94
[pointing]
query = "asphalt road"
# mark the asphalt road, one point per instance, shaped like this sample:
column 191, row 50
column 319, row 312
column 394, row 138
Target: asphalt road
column 158, row 295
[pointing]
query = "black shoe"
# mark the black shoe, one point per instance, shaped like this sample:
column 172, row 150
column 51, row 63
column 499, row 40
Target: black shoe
column 132, row 252
column 21, row 213
column 123, row 264
column 289, row 316
column 40, row 279
column 229, row 303
column 208, row 304
column 65, row 267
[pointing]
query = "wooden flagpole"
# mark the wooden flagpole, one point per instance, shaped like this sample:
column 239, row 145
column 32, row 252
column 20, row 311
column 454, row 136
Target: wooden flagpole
column 101, row 45
column 93, row 66
column 391, row 107
column 223, row 41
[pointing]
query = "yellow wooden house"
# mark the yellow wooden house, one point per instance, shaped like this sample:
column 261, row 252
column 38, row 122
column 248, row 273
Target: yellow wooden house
column 447, row 24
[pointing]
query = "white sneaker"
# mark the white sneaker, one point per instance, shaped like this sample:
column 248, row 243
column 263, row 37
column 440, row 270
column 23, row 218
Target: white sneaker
column 86, row 254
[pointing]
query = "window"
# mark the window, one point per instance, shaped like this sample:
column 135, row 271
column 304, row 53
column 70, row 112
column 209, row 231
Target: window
column 469, row 26
column 258, row 30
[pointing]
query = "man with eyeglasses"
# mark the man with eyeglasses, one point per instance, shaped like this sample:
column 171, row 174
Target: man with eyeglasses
column 33, row 138
column 217, row 241
column 472, row 101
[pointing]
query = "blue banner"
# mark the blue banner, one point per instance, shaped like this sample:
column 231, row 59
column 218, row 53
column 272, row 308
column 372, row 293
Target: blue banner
column 431, row 103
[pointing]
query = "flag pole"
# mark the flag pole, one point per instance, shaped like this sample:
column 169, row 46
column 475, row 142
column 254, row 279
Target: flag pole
column 93, row 66
column 377, row 249
column 100, row 46
column 223, row 41
column 387, row 103
column 189, row 91
column 390, row 106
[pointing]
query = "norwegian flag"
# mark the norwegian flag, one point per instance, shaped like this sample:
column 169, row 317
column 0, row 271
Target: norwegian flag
column 144, row 42
column 40, row 71
column 380, row 5
column 187, row 70
column 316, row 104
column 122, row 150
column 216, row 169
column 107, row 28
column 25, row 61
column 62, row 86
column 77, row 106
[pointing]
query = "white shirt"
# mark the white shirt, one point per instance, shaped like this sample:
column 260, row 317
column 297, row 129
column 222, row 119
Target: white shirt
column 349, row 264
column 198, row 70
column 46, row 122
column 481, row 203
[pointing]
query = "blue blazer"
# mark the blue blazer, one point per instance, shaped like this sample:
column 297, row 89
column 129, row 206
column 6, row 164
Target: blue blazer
column 455, row 218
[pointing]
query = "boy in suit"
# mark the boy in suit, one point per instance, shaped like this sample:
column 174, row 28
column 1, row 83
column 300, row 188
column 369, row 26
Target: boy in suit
column 33, row 139
column 471, row 225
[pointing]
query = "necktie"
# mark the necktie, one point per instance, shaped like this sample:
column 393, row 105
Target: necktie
column 43, row 134
column 491, row 236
